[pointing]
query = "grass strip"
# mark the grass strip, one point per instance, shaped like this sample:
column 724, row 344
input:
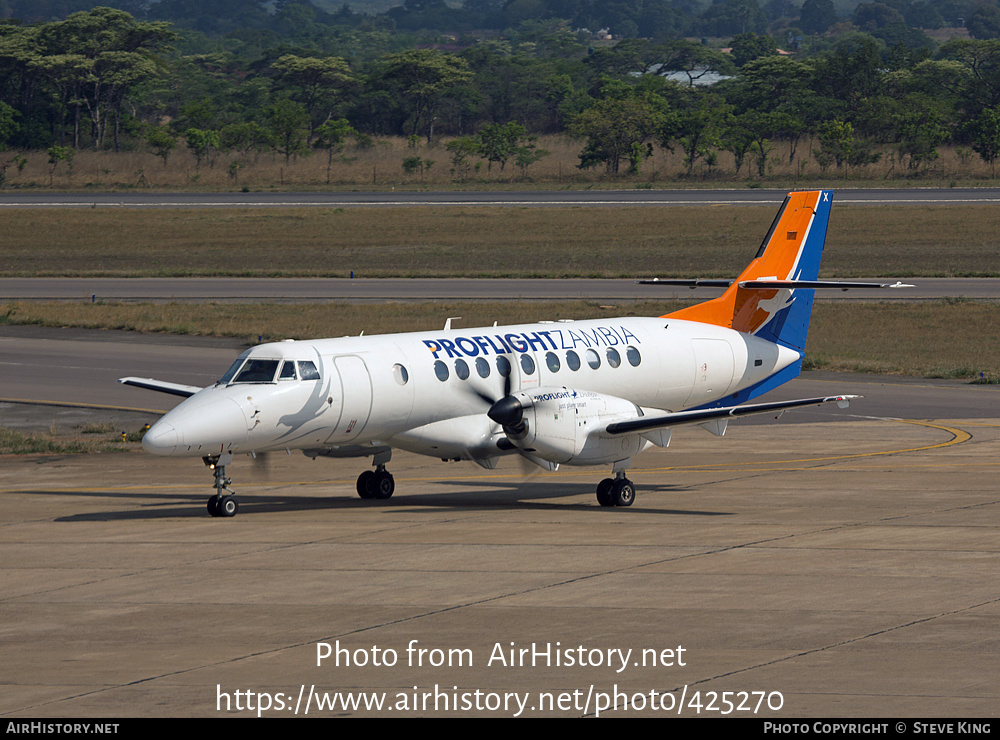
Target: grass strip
column 582, row 241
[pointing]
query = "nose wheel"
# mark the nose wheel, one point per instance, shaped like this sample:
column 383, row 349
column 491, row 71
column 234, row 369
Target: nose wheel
column 223, row 505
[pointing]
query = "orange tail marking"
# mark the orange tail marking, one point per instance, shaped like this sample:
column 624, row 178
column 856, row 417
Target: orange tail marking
column 738, row 308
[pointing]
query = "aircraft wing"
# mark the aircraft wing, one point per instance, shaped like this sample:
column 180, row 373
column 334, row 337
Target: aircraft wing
column 689, row 283
column 699, row 416
column 174, row 389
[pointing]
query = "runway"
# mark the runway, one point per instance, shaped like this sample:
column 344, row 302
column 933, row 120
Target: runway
column 329, row 290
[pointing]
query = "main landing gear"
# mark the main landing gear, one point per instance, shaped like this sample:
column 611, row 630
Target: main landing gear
column 222, row 504
column 618, row 491
column 376, row 484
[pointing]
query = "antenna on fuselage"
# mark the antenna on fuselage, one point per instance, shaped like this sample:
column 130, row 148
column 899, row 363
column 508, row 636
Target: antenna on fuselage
column 447, row 323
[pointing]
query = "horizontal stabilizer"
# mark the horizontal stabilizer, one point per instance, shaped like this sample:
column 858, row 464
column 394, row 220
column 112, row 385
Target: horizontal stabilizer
column 814, row 284
column 774, row 284
column 701, row 416
column 174, row 389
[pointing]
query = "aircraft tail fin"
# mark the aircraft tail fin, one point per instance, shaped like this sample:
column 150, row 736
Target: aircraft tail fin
column 771, row 298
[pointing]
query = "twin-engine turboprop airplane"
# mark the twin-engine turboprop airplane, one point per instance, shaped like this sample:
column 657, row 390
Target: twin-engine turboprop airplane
column 593, row 392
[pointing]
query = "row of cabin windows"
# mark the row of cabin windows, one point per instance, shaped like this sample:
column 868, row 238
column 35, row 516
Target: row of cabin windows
column 552, row 362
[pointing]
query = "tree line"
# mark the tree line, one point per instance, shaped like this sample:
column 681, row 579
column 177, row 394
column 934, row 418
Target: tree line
column 104, row 79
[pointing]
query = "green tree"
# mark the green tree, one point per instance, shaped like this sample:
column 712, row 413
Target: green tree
column 761, row 127
column 331, row 136
column 918, row 135
column 970, row 69
column 776, row 85
column 110, row 55
column 699, row 129
column 817, row 16
column 731, row 17
column 985, row 22
column 985, row 134
column 462, row 150
column 287, row 122
column 202, row 143
column 245, row 137
column 839, row 145
column 737, row 140
column 836, row 139
column 498, row 143
column 422, row 78
column 749, row 46
column 316, row 83
column 161, row 141
column 8, row 125
column 693, row 59
column 59, row 154
column 527, row 153
column 617, row 127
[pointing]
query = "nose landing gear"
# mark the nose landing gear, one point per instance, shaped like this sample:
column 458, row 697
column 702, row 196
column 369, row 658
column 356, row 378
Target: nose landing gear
column 221, row 504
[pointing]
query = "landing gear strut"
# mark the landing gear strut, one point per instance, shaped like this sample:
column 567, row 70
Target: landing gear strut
column 618, row 491
column 222, row 504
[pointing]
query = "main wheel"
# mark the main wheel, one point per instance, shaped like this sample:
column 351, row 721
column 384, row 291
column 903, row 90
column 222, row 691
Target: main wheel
column 213, row 505
column 624, row 492
column 364, row 485
column 383, row 485
column 604, row 495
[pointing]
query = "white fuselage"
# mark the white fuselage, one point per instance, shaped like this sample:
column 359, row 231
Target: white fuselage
column 428, row 392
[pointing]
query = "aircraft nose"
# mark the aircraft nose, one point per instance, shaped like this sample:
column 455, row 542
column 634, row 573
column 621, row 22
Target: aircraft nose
column 198, row 426
column 160, row 439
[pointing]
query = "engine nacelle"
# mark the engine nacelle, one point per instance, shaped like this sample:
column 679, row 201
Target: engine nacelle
column 567, row 426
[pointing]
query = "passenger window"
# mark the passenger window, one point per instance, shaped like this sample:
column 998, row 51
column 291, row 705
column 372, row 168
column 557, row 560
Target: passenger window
column 461, row 369
column 441, row 370
column 573, row 360
column 527, row 364
column 633, row 356
column 552, row 362
column 614, row 359
column 593, row 359
column 287, row 371
column 400, row 374
column 307, row 370
column 503, row 366
column 482, row 367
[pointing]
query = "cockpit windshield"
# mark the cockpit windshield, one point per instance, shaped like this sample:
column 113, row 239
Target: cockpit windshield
column 257, row 371
column 254, row 370
column 231, row 372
